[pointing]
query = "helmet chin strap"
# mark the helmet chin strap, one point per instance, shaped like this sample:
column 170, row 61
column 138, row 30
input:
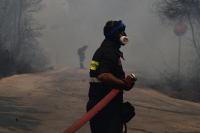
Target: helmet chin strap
column 117, row 41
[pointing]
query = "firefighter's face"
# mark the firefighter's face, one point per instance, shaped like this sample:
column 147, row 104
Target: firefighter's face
column 122, row 33
column 123, row 38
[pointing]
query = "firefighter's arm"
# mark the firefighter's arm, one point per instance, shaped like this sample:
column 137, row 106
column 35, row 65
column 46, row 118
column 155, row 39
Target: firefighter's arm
column 125, row 84
column 110, row 79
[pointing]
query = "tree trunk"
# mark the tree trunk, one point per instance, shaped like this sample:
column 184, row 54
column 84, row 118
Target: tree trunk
column 1, row 21
column 15, row 26
column 193, row 38
column 18, row 46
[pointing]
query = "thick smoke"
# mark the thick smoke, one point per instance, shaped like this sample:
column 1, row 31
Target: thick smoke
column 72, row 24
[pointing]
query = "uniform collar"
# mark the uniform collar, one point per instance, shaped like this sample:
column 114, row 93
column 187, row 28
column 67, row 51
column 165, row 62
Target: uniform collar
column 109, row 43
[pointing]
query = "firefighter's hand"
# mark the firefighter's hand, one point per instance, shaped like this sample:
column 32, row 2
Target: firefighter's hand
column 130, row 82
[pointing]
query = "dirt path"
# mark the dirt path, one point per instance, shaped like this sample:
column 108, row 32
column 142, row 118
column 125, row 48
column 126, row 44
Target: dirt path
column 50, row 101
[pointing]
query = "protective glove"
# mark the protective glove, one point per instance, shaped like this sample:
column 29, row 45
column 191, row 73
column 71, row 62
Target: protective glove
column 130, row 82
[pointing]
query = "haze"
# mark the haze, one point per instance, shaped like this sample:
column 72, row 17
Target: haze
column 72, row 24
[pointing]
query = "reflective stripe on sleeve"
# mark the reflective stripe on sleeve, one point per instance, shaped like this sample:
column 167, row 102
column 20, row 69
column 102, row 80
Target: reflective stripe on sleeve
column 95, row 80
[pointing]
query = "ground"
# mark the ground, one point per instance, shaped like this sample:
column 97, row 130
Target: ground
column 51, row 101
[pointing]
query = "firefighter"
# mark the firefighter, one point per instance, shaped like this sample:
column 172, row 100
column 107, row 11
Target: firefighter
column 81, row 54
column 106, row 73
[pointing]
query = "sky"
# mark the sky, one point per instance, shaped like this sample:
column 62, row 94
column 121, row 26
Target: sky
column 70, row 24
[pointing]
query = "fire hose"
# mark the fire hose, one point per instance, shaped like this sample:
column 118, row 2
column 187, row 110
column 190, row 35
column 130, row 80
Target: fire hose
column 73, row 128
column 98, row 107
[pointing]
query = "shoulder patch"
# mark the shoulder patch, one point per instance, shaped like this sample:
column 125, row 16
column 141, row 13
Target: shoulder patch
column 119, row 62
column 94, row 65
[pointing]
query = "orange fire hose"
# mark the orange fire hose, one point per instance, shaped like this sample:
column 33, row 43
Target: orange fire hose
column 73, row 128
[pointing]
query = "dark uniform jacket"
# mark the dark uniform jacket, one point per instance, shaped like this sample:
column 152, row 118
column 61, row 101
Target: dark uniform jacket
column 105, row 60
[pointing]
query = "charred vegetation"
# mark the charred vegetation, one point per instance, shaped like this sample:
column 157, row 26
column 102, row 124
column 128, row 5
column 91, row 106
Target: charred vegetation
column 185, row 85
column 20, row 52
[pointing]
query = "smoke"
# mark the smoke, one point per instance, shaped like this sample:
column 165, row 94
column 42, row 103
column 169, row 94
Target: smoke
column 72, row 24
